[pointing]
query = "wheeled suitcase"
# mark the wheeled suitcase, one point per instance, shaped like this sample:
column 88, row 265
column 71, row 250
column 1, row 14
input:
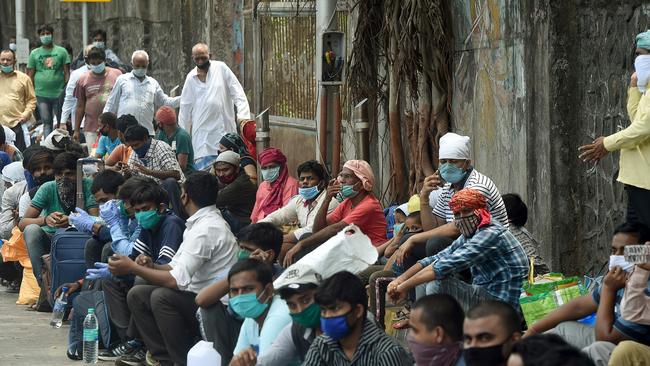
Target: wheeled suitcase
column 67, row 251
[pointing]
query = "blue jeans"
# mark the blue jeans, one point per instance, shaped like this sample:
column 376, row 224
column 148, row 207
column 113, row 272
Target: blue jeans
column 47, row 108
column 204, row 163
column 38, row 243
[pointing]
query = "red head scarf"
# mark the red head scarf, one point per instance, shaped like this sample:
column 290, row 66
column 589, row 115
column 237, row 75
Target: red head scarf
column 273, row 200
column 471, row 199
column 248, row 134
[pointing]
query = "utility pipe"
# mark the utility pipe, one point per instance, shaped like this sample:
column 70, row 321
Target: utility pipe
column 336, row 133
column 361, row 129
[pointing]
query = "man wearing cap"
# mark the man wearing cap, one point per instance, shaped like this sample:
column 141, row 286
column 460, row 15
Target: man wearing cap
column 176, row 137
column 293, row 342
column 633, row 141
column 359, row 206
column 17, row 98
column 236, row 190
column 498, row 262
column 455, row 172
column 137, row 94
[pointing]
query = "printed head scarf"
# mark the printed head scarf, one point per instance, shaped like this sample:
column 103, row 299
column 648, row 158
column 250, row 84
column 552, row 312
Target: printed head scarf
column 234, row 142
column 273, row 200
column 363, row 171
column 471, row 199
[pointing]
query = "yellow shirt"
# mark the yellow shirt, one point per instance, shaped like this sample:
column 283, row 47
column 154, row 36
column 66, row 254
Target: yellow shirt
column 17, row 98
column 634, row 142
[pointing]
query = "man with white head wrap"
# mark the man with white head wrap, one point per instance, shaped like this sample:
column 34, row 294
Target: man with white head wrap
column 633, row 142
column 455, row 173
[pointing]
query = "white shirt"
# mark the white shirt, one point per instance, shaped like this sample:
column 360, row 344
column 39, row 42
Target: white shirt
column 138, row 98
column 207, row 252
column 207, row 111
column 295, row 210
column 69, row 107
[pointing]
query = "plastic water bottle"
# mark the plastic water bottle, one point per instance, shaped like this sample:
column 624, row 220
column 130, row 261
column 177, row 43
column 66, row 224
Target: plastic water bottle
column 203, row 353
column 59, row 308
column 90, row 337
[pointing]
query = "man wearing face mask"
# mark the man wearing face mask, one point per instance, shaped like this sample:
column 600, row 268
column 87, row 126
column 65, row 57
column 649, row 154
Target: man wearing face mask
column 455, row 173
column 110, row 138
column 92, row 91
column 350, row 338
column 633, row 141
column 69, row 108
column 236, row 191
column 278, row 186
column 358, row 205
column 610, row 328
column 165, row 307
column 56, row 200
column 138, row 94
column 436, row 334
column 17, row 98
column 497, row 261
column 303, row 207
column 491, row 328
column 12, row 44
column 209, row 93
column 154, row 159
column 219, row 324
column 49, row 69
column 180, row 141
column 251, row 297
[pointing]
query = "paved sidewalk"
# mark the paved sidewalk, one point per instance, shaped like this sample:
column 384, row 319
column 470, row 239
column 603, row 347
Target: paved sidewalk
column 26, row 337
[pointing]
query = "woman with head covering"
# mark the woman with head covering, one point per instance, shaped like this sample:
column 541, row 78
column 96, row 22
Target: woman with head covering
column 278, row 187
column 233, row 142
column 359, row 206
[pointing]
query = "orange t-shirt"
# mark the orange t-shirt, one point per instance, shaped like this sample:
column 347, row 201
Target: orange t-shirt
column 120, row 153
column 367, row 215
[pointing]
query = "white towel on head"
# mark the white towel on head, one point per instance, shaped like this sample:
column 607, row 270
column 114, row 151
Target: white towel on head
column 642, row 67
column 14, row 172
column 454, row 146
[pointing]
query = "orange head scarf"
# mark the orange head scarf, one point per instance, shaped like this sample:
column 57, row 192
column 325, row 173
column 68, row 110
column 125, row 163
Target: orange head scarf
column 471, row 199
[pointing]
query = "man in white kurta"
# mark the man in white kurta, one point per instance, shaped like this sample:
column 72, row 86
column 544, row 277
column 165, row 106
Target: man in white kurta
column 210, row 94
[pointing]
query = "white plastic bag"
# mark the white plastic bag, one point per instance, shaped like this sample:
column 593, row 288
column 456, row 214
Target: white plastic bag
column 349, row 250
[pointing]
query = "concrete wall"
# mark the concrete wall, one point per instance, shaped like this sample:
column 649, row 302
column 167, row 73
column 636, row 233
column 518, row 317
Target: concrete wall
column 534, row 80
column 166, row 29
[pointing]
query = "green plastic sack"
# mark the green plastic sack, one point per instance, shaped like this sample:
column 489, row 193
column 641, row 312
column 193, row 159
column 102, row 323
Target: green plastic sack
column 542, row 288
column 537, row 306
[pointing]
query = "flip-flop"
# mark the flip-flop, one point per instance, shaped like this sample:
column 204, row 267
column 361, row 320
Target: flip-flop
column 402, row 324
column 31, row 307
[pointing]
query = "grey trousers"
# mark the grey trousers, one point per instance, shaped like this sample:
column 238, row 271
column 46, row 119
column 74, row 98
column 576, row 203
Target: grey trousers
column 468, row 295
column 584, row 337
column 221, row 328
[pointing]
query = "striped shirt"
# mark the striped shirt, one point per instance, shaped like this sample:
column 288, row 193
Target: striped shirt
column 375, row 348
column 482, row 184
column 162, row 243
column 496, row 259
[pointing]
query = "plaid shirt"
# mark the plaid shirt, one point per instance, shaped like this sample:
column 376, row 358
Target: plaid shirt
column 497, row 261
column 159, row 157
column 375, row 348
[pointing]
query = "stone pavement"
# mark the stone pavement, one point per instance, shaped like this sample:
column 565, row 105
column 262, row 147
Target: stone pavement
column 26, row 337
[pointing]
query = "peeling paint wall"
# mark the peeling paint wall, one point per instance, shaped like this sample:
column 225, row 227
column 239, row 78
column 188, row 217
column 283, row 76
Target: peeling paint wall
column 534, row 80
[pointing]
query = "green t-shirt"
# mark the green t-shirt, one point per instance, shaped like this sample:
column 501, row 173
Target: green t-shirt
column 47, row 200
column 49, row 79
column 181, row 143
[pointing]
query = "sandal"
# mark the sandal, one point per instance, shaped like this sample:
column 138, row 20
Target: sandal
column 31, row 307
column 402, row 317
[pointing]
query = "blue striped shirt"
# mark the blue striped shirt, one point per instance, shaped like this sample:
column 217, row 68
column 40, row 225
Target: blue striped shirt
column 496, row 259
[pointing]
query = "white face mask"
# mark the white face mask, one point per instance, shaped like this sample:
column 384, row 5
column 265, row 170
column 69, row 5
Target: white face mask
column 12, row 46
column 642, row 67
column 619, row 260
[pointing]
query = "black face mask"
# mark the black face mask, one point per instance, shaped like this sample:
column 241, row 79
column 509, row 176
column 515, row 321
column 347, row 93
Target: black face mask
column 488, row 356
column 204, row 66
column 43, row 179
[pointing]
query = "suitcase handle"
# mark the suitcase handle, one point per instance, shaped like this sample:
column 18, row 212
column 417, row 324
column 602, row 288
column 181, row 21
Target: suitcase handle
column 80, row 190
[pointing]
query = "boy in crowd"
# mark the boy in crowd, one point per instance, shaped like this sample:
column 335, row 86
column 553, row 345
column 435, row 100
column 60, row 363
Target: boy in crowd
column 55, row 200
column 164, row 309
column 349, row 336
column 491, row 328
column 110, row 138
column 436, row 333
column 261, row 241
column 517, row 217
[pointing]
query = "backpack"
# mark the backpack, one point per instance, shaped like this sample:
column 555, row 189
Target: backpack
column 80, row 304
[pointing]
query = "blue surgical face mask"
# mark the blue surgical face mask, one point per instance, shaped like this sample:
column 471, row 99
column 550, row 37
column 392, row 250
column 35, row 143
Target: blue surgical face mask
column 140, row 72
column 336, row 327
column 247, row 305
column 98, row 69
column 46, row 40
column 271, row 174
column 309, row 193
column 7, row 69
column 451, row 173
column 100, row 45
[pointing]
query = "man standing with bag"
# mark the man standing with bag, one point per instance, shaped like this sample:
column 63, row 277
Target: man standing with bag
column 209, row 93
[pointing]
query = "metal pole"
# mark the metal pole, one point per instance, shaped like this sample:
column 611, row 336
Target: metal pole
column 336, row 132
column 322, row 127
column 262, row 136
column 361, row 129
column 20, row 19
column 257, row 59
column 84, row 22
column 325, row 20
